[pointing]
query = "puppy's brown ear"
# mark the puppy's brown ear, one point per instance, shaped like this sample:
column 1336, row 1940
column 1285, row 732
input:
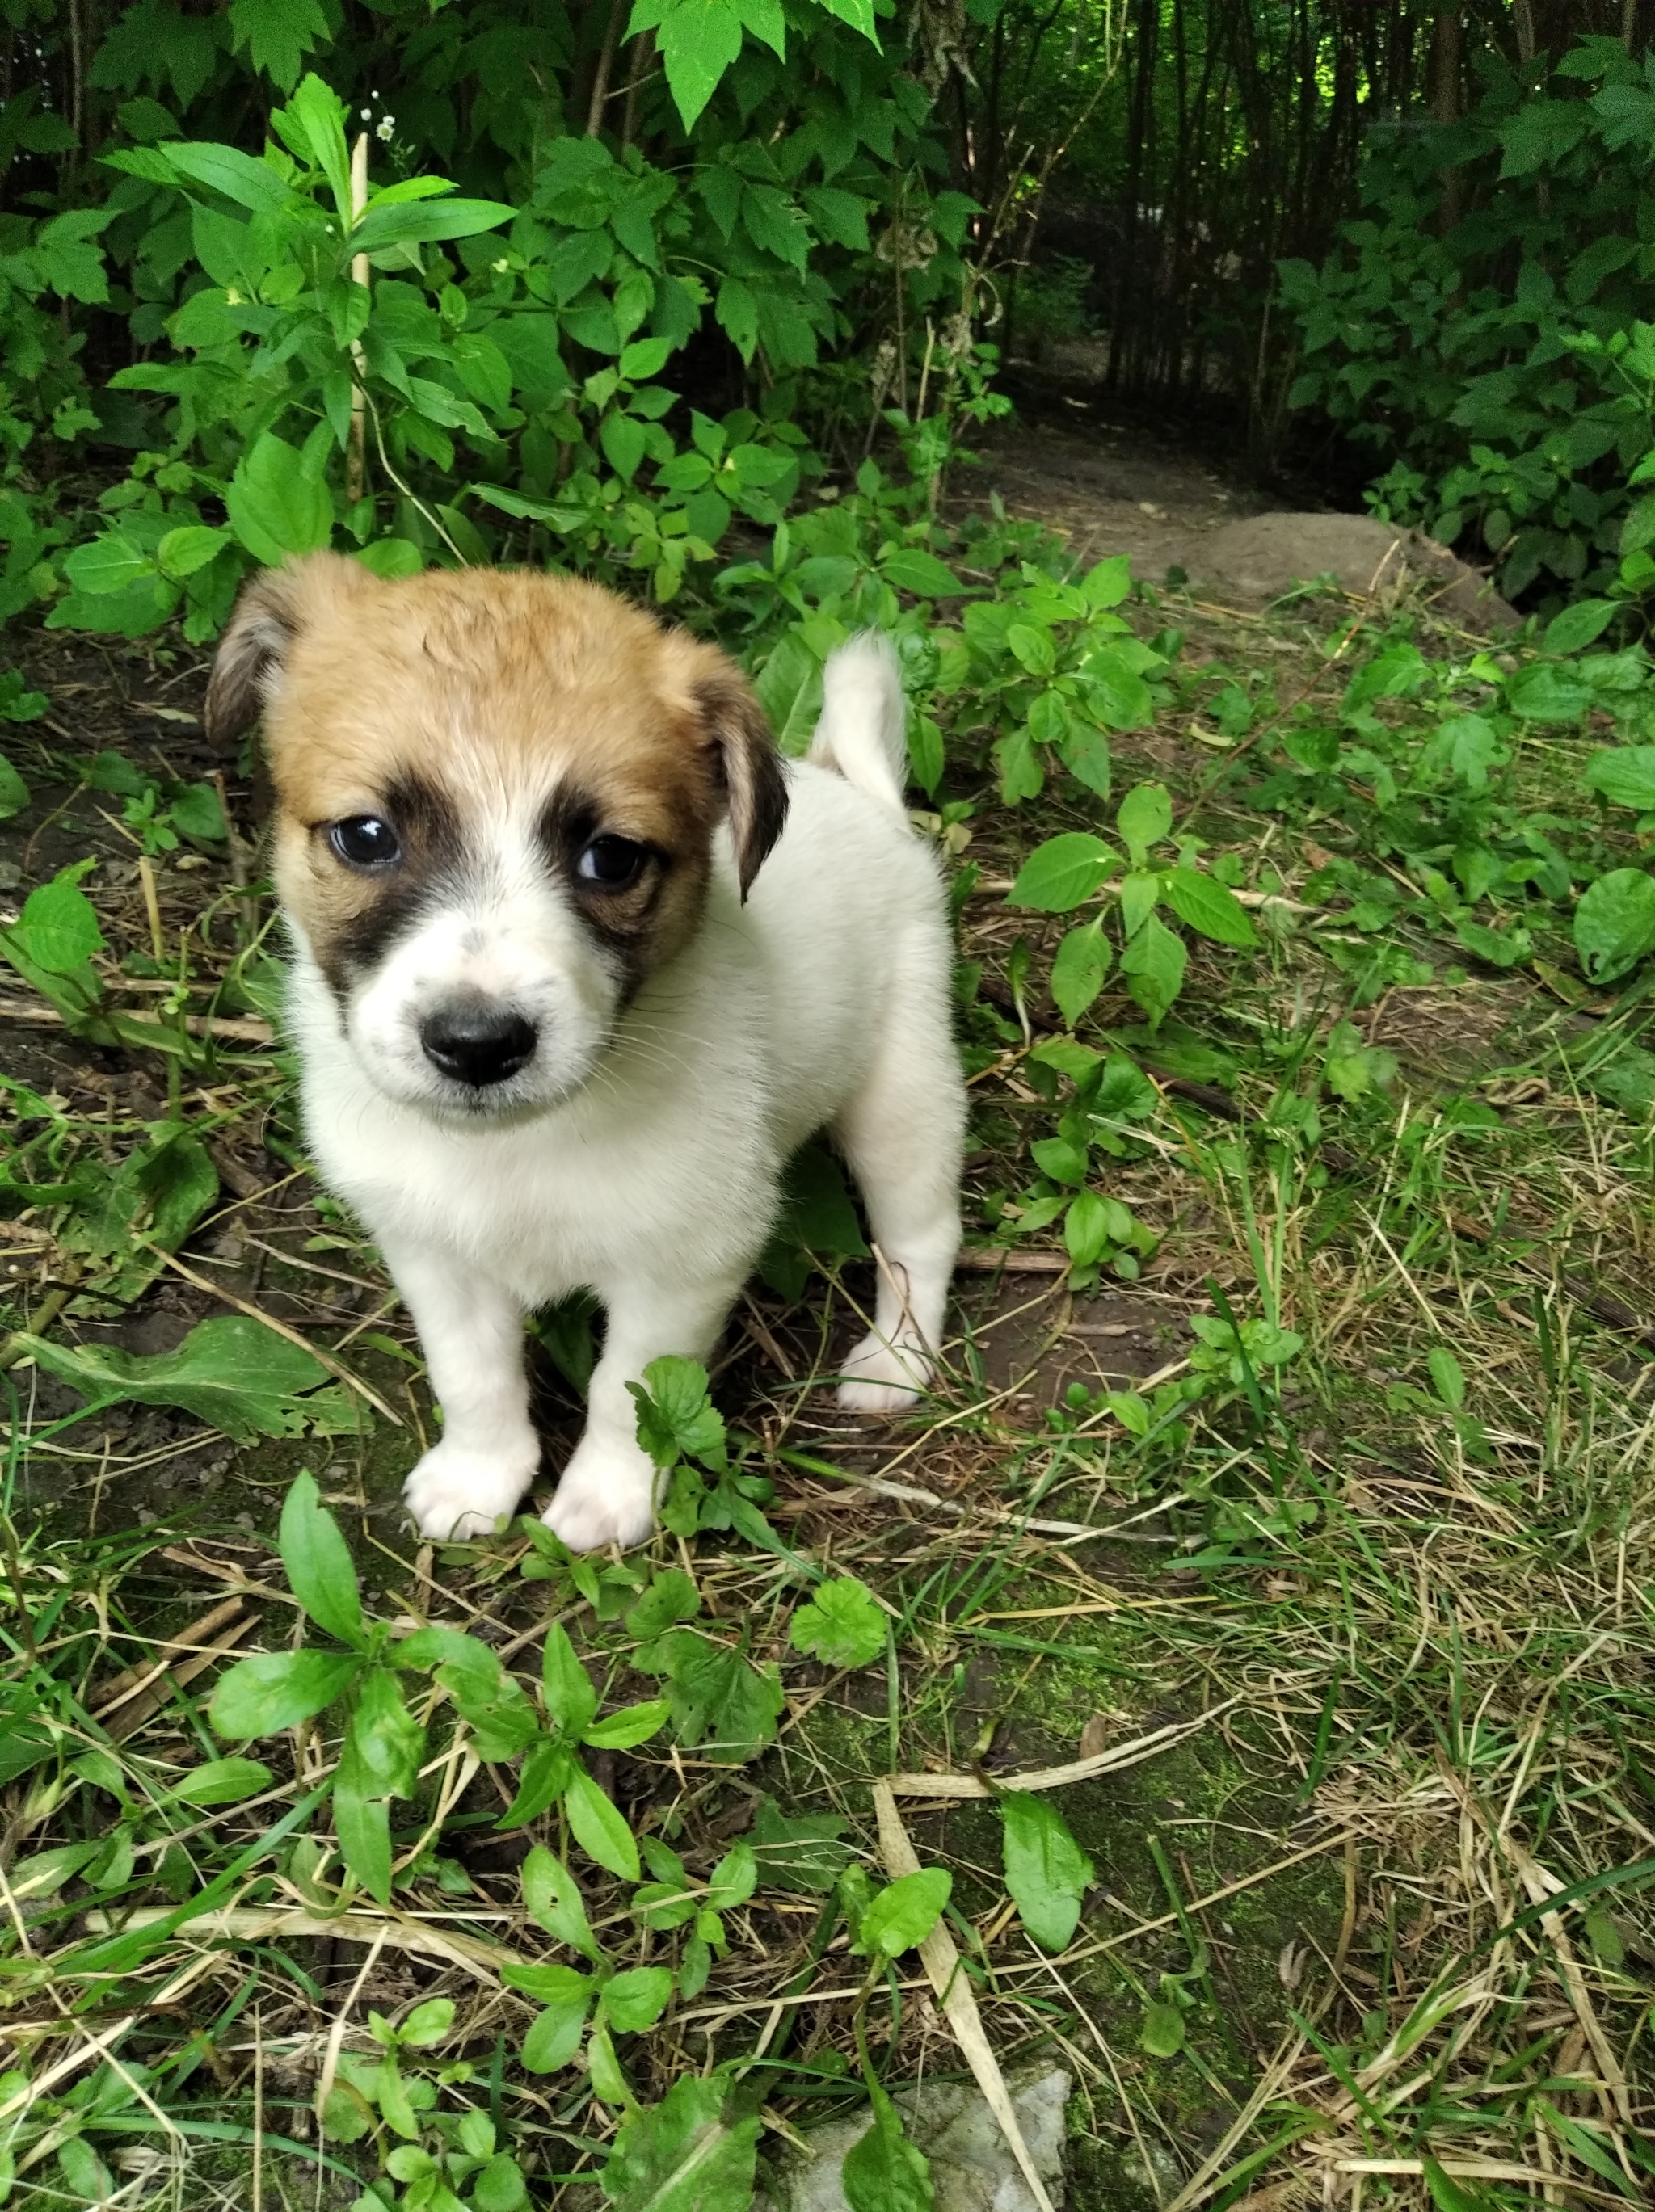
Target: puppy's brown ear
column 750, row 768
column 272, row 610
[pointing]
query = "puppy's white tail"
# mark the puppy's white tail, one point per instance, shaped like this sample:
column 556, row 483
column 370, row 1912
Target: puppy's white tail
column 863, row 730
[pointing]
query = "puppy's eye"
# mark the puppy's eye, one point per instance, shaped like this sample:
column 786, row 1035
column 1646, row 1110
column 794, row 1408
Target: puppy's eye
column 611, row 864
column 363, row 841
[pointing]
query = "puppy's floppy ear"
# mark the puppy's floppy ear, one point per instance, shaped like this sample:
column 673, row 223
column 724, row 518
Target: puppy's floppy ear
column 748, row 767
column 272, row 610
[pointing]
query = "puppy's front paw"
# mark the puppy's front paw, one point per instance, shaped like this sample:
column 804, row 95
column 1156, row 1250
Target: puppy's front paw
column 884, row 1378
column 606, row 1495
column 455, row 1494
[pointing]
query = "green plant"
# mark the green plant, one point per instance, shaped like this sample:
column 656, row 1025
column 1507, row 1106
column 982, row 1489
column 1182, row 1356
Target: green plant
column 1501, row 364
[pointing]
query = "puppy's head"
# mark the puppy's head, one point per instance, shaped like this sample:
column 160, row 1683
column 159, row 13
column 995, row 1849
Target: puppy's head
column 495, row 800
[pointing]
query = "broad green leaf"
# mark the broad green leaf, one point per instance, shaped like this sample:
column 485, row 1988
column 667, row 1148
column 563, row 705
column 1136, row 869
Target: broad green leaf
column 250, row 184
column 1163, row 2031
column 108, row 563
column 1615, row 923
column 1154, row 965
column 553, row 1898
column 734, row 1879
column 883, row 2171
column 363, row 1824
column 721, row 1702
column 632, row 1725
column 904, row 1914
column 317, row 1562
column 1046, row 1871
column 426, row 221
column 385, row 1743
column 676, row 1415
column 1061, row 874
column 223, row 1782
column 1625, row 775
column 277, row 1690
column 275, row 507
column 570, row 1698
column 1446, row 1376
column 798, row 1851
column 598, row 1826
column 670, row 1598
column 498, row 2185
column 1209, row 906
column 1033, row 648
column 1143, row 819
column 842, row 1625
column 1086, row 1229
column 1079, row 972
column 910, row 569
column 278, row 34
column 553, row 2037
column 691, row 2153
column 635, row 2001
column 230, row 1371
column 428, row 2024
column 1545, row 692
column 698, row 41
column 543, row 1777
column 623, row 438
column 58, row 927
column 1108, row 583
column 14, row 792
column 1449, row 2195
column 1579, row 626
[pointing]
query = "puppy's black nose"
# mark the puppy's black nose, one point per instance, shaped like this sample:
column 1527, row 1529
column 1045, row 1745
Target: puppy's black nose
column 477, row 1044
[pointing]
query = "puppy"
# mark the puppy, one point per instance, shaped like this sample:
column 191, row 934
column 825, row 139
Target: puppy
column 579, row 962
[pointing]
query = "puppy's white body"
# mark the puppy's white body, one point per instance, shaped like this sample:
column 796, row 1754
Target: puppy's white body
column 823, row 1002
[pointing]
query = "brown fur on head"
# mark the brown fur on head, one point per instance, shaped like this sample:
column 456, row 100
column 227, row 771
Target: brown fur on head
column 449, row 701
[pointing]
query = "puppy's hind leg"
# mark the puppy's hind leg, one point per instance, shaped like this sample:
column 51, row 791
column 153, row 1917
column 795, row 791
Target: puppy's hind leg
column 903, row 1134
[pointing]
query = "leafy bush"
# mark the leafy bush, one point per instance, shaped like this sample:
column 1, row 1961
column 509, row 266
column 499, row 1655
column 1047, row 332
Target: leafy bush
column 1502, row 369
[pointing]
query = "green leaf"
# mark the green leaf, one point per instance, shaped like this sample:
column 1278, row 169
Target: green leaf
column 883, row 2171
column 426, row 221
column 1046, row 1871
column 1625, row 775
column 799, row 1851
column 1033, row 648
column 231, row 1371
column 363, row 1824
column 1108, row 583
column 428, row 2024
column 58, row 927
column 1446, row 1376
column 554, row 1901
column 1086, row 1228
column 250, row 184
column 108, row 563
column 277, row 1690
column 676, row 1415
column 632, row 1725
column 904, row 1914
column 719, row 1702
column 635, row 2001
column 1615, row 923
column 570, row 1698
column 499, row 2185
column 555, row 2035
column 275, row 509
column 385, row 1743
column 842, row 1625
column 1209, row 906
column 1154, row 965
column 1060, row 874
column 689, row 2154
column 1579, row 626
column 698, row 41
column 598, row 1826
column 1163, row 2031
column 1079, row 971
column 223, row 1782
column 1144, row 818
column 279, row 34
column 623, row 438
column 670, row 1598
column 317, row 1562
column 910, row 569
column 1545, row 692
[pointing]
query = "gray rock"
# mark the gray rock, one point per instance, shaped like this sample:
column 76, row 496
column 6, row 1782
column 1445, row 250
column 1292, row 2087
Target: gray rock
column 972, row 2168
column 1265, row 555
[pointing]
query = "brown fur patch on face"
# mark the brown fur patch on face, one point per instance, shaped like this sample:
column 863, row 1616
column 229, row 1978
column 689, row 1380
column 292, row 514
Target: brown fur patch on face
column 491, row 693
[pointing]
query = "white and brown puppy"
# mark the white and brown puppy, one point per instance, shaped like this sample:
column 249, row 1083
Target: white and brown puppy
column 580, row 960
